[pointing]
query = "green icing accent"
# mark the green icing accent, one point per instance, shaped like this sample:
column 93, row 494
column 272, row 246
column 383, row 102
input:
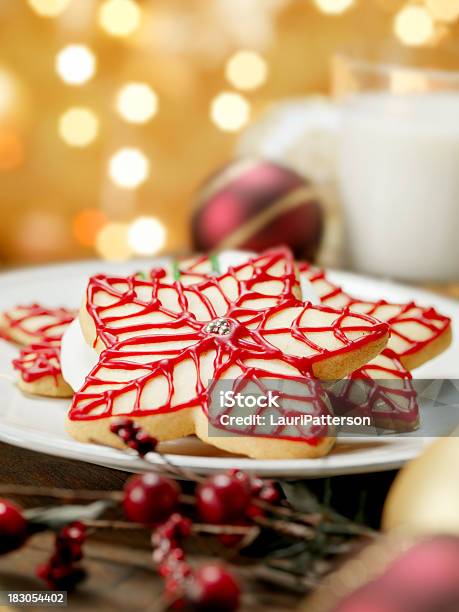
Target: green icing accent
column 175, row 270
column 215, row 265
column 141, row 275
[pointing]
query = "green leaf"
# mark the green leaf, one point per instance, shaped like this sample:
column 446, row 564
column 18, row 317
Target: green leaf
column 300, row 497
column 302, row 500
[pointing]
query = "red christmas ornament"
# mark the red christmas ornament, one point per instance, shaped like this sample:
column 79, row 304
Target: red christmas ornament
column 256, row 204
column 13, row 527
column 425, row 577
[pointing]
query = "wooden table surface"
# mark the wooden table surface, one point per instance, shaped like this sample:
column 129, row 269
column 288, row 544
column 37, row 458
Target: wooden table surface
column 121, row 576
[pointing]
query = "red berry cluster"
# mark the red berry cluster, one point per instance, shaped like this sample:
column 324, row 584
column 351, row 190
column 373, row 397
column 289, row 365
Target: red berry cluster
column 209, row 588
column 230, row 499
column 169, row 556
column 223, row 499
column 13, row 527
column 61, row 572
column 265, row 490
column 133, row 436
column 226, row 498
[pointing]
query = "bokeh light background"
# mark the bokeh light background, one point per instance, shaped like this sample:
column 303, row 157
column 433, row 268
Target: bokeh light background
column 112, row 112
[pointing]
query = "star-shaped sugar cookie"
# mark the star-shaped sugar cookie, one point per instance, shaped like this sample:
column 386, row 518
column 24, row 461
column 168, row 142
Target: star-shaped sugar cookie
column 164, row 345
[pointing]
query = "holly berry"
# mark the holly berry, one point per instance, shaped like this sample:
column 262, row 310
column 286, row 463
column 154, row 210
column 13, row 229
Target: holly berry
column 223, row 498
column 60, row 572
column 242, row 477
column 169, row 556
column 213, row 588
column 256, row 485
column 133, row 436
column 142, row 443
column 269, row 493
column 121, row 424
column 75, row 532
column 61, row 577
column 168, row 535
column 150, row 498
column 229, row 540
column 13, row 527
column 253, row 512
column 69, row 542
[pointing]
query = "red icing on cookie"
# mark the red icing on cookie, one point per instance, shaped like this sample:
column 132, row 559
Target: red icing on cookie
column 383, row 391
column 38, row 361
column 45, row 332
column 432, row 323
column 239, row 293
column 153, row 340
column 41, row 356
column 190, row 271
column 394, row 408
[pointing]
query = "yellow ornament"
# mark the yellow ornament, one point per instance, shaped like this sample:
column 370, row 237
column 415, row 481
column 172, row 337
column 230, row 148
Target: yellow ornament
column 424, row 498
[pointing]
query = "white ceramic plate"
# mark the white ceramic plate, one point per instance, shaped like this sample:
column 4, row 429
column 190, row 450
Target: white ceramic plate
column 38, row 424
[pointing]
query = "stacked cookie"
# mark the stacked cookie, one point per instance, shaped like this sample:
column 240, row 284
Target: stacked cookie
column 38, row 330
column 382, row 388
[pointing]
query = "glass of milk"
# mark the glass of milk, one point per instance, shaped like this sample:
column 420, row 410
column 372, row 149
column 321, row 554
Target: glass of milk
column 399, row 169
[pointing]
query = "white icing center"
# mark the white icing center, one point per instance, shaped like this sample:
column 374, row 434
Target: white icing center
column 77, row 358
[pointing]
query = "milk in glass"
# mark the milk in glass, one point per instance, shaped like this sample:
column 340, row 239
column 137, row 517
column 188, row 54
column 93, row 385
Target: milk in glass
column 399, row 178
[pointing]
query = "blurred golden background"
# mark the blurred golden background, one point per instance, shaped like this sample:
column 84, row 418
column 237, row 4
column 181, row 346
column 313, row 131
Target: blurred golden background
column 112, row 112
